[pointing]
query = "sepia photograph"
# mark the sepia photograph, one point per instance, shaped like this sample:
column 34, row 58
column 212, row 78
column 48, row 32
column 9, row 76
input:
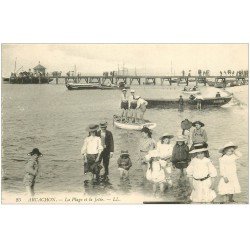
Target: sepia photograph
column 124, row 123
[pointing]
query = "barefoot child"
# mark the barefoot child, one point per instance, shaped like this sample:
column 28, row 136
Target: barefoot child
column 201, row 173
column 155, row 172
column 31, row 171
column 229, row 183
column 124, row 164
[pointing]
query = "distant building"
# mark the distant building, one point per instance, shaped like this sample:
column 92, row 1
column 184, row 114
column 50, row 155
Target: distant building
column 39, row 69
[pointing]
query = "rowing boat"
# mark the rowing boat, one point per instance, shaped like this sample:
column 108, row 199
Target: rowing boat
column 190, row 104
column 132, row 126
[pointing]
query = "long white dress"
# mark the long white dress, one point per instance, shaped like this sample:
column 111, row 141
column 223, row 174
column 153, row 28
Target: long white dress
column 228, row 169
column 155, row 172
column 198, row 169
column 165, row 153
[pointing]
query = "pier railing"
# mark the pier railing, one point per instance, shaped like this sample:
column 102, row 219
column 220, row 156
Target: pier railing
column 150, row 79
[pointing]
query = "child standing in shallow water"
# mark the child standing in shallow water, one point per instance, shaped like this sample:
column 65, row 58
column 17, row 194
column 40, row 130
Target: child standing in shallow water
column 155, row 172
column 201, row 173
column 31, row 171
column 124, row 164
column 229, row 183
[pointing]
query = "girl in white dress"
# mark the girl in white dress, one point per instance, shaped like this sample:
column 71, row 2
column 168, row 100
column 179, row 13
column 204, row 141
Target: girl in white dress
column 155, row 172
column 201, row 173
column 165, row 150
column 229, row 183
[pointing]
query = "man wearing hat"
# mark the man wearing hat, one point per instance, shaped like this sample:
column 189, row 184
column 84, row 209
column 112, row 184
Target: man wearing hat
column 133, row 105
column 91, row 151
column 124, row 104
column 108, row 147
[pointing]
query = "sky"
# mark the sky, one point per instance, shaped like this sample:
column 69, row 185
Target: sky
column 153, row 59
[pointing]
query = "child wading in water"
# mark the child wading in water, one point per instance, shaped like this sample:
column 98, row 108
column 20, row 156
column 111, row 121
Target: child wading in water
column 229, row 183
column 201, row 173
column 155, row 172
column 31, row 171
column 124, row 164
column 165, row 150
column 180, row 157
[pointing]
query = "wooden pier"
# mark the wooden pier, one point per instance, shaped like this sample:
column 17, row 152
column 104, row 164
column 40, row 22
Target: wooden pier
column 150, row 80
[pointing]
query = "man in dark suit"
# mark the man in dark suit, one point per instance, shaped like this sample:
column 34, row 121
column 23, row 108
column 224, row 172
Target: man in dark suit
column 108, row 147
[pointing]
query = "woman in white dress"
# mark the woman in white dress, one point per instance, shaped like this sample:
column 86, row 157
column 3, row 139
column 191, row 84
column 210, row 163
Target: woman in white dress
column 229, row 183
column 201, row 173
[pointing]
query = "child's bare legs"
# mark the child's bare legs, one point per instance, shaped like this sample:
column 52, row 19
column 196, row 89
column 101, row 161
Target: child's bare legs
column 30, row 191
column 162, row 188
column 230, row 198
column 122, row 114
column 121, row 172
column 126, row 174
column 154, row 188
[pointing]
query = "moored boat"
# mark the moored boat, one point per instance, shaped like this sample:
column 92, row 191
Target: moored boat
column 190, row 104
column 132, row 126
column 194, row 92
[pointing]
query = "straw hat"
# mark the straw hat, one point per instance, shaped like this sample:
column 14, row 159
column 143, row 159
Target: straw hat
column 103, row 124
column 227, row 145
column 124, row 90
column 198, row 122
column 35, row 151
column 124, row 152
column 181, row 138
column 92, row 127
column 132, row 91
column 166, row 135
column 198, row 148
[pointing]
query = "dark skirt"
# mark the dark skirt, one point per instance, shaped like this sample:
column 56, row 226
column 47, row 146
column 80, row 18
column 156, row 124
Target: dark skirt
column 181, row 164
column 91, row 165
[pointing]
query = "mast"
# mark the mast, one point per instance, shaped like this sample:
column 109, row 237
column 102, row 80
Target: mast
column 15, row 66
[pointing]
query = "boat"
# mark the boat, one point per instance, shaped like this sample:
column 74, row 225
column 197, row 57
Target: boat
column 190, row 104
column 190, row 92
column 80, row 86
column 132, row 126
column 71, row 85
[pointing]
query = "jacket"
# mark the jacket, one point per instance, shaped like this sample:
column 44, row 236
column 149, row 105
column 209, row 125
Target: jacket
column 109, row 141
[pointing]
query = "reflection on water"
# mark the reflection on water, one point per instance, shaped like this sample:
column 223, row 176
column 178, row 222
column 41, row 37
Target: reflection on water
column 54, row 119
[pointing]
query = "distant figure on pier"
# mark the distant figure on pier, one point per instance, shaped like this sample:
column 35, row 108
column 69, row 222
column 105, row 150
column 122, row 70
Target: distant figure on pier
column 132, row 106
column 124, row 105
column 181, row 104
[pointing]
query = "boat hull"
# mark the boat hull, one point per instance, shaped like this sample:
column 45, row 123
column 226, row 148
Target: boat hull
column 190, row 104
column 92, row 86
column 132, row 126
column 191, row 92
